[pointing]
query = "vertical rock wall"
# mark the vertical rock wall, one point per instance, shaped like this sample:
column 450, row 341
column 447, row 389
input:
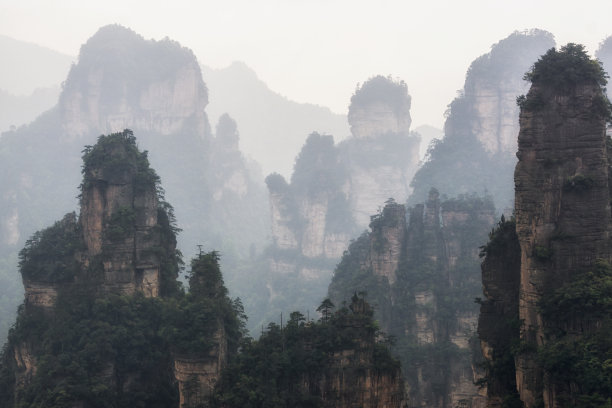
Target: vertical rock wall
column 562, row 235
column 118, row 219
column 422, row 274
column 562, row 206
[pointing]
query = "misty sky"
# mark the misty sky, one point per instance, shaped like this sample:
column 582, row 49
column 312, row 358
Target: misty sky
column 317, row 50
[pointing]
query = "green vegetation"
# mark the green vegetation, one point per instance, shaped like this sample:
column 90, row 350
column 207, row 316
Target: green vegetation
column 509, row 57
column 128, row 64
column 568, row 67
column 97, row 348
column 50, row 255
column 580, row 364
column 121, row 223
column 578, row 183
column 91, row 337
column 193, row 319
column 317, row 168
column 288, row 365
column 444, row 291
column 499, row 324
column 562, row 71
column 116, row 157
column 459, row 163
column 504, row 232
column 381, row 89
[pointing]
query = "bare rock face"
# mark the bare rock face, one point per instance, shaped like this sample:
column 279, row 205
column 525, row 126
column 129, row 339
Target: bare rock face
column 197, row 376
column 311, row 226
column 481, row 127
column 370, row 187
column 382, row 156
column 386, row 245
column 379, row 118
column 561, row 190
column 419, row 271
column 97, row 100
column 562, row 234
column 494, row 122
column 334, row 189
column 119, row 215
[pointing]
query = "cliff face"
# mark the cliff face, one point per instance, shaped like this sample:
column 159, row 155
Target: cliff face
column 101, row 97
column 105, row 286
column 154, row 88
column 378, row 118
column 561, row 188
column 118, row 218
column 311, row 226
column 422, row 272
column 481, row 127
column 382, row 156
column 333, row 191
column 563, row 231
column 197, row 376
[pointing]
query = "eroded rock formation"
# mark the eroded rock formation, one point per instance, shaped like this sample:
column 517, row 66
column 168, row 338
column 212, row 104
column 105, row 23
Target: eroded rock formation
column 335, row 188
column 105, row 287
column 563, row 231
column 155, row 88
column 422, row 273
column 481, row 128
column 382, row 156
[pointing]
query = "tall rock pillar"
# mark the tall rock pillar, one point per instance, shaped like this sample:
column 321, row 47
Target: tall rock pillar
column 562, row 193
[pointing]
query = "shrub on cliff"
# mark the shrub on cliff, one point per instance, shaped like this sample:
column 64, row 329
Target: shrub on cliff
column 289, row 366
column 381, row 89
column 569, row 66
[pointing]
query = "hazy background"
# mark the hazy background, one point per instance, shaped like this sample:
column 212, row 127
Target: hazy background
column 317, row 50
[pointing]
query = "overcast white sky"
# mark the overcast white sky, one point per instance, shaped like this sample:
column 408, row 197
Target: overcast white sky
column 317, row 50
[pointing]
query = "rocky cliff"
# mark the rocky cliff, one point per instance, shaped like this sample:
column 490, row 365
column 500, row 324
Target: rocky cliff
column 382, row 155
column 104, row 96
column 481, row 128
column 154, row 88
column 311, row 226
column 333, row 191
column 104, row 316
column 422, row 273
column 563, row 231
column 498, row 322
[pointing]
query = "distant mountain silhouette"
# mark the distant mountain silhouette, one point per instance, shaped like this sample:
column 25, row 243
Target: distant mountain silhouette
column 272, row 127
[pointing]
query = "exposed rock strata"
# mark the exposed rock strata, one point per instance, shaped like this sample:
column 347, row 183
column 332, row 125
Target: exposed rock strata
column 419, row 272
column 123, row 245
column 197, row 376
column 481, row 127
column 563, row 225
column 335, row 188
column 155, row 88
column 559, row 144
